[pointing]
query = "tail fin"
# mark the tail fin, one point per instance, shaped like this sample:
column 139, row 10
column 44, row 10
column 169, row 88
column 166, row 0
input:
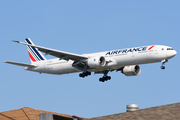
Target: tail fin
column 34, row 54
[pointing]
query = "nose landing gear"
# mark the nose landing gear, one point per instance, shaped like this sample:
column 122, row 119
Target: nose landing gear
column 162, row 67
column 163, row 62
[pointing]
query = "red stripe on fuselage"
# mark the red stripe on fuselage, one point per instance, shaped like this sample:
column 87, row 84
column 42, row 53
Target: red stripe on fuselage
column 151, row 47
column 32, row 58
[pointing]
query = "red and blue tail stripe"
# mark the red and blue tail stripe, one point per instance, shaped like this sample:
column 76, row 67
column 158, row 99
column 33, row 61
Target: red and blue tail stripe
column 31, row 57
column 33, row 52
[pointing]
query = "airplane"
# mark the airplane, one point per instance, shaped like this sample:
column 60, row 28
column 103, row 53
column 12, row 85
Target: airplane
column 125, row 60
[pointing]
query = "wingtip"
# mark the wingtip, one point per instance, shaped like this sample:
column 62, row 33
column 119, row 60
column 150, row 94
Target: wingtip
column 6, row 62
column 15, row 41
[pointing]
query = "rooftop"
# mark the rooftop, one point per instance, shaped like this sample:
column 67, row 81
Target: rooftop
column 26, row 113
column 165, row 112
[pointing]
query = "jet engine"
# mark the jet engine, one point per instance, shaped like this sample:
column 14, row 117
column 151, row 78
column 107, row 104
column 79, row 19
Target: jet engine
column 96, row 62
column 131, row 70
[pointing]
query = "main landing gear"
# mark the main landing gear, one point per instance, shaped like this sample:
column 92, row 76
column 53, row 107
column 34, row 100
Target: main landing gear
column 84, row 74
column 163, row 62
column 105, row 77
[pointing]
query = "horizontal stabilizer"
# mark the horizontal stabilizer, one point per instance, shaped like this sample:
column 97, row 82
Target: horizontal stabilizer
column 20, row 64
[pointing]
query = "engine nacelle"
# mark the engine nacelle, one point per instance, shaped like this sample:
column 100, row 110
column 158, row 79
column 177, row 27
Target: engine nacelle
column 96, row 62
column 131, row 70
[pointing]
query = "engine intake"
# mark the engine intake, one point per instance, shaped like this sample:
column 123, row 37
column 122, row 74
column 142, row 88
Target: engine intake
column 96, row 62
column 131, row 70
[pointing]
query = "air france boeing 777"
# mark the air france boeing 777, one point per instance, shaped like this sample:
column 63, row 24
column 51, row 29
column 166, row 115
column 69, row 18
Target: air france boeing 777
column 125, row 60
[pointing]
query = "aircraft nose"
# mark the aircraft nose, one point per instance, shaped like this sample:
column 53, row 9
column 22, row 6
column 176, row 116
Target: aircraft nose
column 174, row 53
column 171, row 53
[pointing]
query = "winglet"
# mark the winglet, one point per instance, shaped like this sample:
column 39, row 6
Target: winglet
column 20, row 42
column 16, row 41
column 23, row 43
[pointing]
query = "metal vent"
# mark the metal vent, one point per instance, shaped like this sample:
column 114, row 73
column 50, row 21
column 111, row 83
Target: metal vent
column 132, row 107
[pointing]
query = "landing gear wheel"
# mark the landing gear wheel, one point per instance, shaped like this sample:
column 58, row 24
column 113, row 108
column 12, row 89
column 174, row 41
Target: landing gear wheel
column 101, row 79
column 80, row 75
column 163, row 67
column 105, row 77
column 84, row 74
column 89, row 73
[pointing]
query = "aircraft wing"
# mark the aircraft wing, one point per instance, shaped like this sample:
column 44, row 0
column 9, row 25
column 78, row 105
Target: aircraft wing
column 20, row 64
column 57, row 53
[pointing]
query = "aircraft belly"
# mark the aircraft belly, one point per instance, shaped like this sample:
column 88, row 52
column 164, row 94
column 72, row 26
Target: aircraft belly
column 64, row 68
column 59, row 68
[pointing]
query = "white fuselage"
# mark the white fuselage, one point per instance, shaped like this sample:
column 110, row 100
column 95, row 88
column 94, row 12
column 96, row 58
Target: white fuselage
column 115, row 59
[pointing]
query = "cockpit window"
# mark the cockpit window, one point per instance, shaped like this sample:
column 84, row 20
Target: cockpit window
column 169, row 48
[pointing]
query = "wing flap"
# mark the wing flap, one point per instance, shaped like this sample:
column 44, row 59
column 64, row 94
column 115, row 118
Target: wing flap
column 20, row 64
column 57, row 53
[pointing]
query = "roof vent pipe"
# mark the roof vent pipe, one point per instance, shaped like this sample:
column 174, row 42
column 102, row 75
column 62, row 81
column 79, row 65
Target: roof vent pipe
column 76, row 117
column 132, row 107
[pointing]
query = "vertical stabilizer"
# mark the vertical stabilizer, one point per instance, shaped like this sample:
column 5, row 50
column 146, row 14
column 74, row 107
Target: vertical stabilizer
column 34, row 54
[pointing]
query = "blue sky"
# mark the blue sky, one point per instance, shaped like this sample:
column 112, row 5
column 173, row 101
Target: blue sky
column 87, row 27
